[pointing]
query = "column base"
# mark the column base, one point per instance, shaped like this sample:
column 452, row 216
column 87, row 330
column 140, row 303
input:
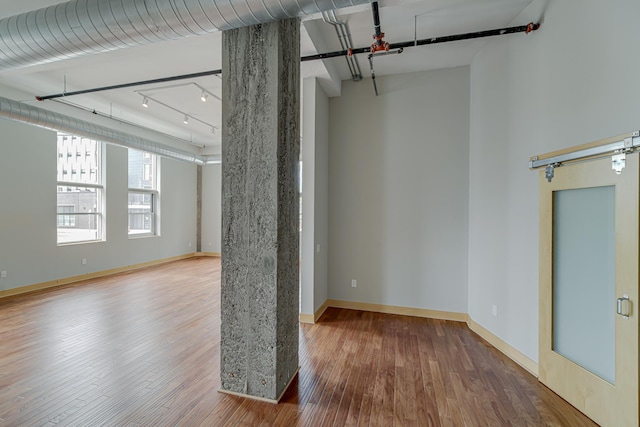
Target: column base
column 263, row 399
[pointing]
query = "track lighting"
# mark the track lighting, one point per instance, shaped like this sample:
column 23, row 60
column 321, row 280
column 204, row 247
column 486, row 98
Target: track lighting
column 185, row 116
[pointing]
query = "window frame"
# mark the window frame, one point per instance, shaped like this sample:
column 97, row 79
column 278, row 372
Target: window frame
column 98, row 188
column 154, row 192
column 153, row 213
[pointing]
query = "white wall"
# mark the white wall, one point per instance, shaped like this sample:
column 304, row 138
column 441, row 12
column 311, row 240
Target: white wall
column 315, row 187
column 321, row 217
column 211, row 208
column 398, row 191
column 307, row 237
column 28, row 249
column 571, row 82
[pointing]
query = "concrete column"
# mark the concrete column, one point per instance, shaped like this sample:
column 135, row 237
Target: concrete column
column 260, row 151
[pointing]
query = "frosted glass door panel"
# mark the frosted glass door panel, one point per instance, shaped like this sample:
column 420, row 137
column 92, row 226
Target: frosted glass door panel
column 584, row 278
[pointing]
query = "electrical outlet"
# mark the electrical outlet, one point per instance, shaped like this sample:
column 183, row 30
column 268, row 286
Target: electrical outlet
column 354, row 283
column 494, row 310
column 318, row 248
column 84, row 261
column 189, row 244
column 3, row 273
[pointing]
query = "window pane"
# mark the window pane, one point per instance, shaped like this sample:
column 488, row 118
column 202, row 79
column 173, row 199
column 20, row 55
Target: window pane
column 78, row 160
column 142, row 170
column 65, row 216
column 79, row 214
column 141, row 213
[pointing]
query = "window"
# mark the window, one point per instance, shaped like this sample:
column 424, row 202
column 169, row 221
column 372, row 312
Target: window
column 143, row 194
column 80, row 196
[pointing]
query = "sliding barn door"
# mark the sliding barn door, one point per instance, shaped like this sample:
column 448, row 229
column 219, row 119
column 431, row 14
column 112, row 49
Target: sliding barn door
column 589, row 288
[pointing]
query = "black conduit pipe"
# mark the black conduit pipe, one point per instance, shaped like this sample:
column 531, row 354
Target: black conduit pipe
column 124, row 85
column 327, row 55
column 376, row 17
column 376, row 22
column 432, row 40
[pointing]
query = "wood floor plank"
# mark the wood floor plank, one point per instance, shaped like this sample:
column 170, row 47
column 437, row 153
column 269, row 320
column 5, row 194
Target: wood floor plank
column 142, row 349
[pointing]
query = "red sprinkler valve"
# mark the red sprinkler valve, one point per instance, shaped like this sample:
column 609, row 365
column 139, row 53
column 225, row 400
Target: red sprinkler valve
column 380, row 44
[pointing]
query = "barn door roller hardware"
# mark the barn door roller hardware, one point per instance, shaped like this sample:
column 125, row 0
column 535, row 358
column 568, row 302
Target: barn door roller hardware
column 616, row 147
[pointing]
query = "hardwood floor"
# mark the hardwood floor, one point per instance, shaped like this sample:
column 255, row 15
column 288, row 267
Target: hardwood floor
column 142, row 349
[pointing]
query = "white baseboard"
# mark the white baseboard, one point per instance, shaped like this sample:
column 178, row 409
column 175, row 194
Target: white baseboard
column 313, row 318
column 88, row 276
column 211, row 254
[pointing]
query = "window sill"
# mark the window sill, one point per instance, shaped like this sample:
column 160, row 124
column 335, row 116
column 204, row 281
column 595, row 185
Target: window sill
column 84, row 242
column 141, row 236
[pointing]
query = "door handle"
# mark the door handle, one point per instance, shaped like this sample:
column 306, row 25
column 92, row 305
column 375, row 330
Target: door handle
column 624, row 306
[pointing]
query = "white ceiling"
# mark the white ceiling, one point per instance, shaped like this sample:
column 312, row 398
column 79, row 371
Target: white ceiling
column 400, row 21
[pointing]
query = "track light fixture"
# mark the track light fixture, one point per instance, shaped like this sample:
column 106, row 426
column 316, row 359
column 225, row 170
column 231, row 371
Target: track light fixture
column 204, row 96
column 185, row 116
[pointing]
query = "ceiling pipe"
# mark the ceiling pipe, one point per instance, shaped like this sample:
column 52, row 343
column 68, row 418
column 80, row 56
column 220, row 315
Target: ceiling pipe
column 327, row 55
column 126, row 85
column 378, row 36
column 373, row 73
column 432, row 40
column 24, row 113
column 376, row 18
column 84, row 27
column 344, row 37
column 379, row 46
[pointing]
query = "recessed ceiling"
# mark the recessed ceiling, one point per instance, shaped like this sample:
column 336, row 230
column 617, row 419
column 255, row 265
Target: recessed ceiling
column 400, row 21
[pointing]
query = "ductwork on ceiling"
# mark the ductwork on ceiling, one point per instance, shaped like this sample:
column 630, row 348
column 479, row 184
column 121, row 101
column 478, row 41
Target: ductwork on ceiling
column 84, row 27
column 24, row 113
